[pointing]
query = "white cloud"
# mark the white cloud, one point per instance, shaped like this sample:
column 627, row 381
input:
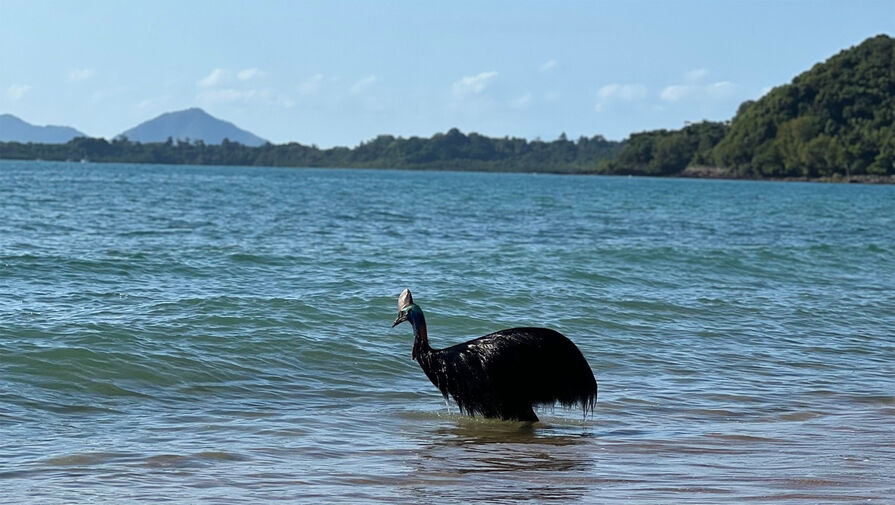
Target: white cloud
column 79, row 74
column 363, row 84
column 721, row 89
column 311, row 85
column 622, row 92
column 676, row 92
column 257, row 96
column 152, row 102
column 249, row 74
column 694, row 87
column 696, row 75
column 521, row 102
column 223, row 86
column 617, row 92
column 222, row 76
column 230, row 95
column 473, row 84
column 216, row 77
column 17, row 91
column 716, row 90
column 548, row 65
column 97, row 97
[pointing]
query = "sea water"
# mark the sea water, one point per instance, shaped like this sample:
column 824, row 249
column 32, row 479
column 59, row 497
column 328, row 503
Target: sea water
column 189, row 334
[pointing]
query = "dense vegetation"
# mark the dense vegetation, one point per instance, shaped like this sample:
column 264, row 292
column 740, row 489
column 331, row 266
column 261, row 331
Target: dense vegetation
column 837, row 119
column 666, row 152
column 451, row 150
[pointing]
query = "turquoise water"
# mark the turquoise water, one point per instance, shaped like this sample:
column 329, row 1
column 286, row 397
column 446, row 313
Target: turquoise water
column 222, row 335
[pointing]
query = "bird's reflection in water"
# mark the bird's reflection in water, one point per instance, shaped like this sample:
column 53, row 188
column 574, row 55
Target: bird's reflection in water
column 504, row 462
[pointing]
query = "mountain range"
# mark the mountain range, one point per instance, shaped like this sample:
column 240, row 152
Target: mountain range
column 193, row 124
column 13, row 129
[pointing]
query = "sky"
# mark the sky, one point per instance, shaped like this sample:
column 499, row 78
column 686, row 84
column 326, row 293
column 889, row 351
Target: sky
column 339, row 73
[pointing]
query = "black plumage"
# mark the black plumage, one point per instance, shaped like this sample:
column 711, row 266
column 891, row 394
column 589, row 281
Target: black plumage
column 506, row 373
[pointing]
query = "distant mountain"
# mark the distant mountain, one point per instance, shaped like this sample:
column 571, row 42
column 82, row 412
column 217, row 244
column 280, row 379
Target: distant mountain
column 194, row 124
column 13, row 129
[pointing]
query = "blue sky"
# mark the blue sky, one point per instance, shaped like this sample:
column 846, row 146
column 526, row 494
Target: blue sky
column 337, row 73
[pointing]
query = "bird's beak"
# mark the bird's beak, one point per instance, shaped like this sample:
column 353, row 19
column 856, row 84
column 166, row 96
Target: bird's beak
column 401, row 318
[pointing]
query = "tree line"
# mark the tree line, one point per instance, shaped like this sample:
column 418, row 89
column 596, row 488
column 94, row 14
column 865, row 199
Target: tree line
column 451, row 150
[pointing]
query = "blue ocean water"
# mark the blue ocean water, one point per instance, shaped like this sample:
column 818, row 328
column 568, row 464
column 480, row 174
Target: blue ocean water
column 223, row 335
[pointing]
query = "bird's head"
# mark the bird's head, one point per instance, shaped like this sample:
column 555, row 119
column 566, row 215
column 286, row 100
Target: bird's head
column 405, row 306
column 409, row 311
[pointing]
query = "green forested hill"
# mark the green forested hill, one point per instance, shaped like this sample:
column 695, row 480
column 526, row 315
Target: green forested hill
column 837, row 119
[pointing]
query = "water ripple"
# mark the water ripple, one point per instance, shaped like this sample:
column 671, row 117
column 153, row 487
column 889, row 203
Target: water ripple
column 224, row 334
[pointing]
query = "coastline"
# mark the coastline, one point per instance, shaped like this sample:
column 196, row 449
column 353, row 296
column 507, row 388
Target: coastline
column 695, row 172
column 711, row 172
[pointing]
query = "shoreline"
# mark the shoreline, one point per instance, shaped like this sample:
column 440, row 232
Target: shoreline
column 697, row 172
column 709, row 172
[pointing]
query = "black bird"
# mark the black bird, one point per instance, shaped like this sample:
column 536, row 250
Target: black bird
column 505, row 373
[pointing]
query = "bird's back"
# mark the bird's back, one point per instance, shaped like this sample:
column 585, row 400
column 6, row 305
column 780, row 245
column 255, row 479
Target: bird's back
column 504, row 373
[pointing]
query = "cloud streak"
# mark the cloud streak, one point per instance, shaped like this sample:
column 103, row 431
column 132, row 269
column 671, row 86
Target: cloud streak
column 618, row 92
column 521, row 102
column 363, row 84
column 79, row 74
column 217, row 77
column 224, row 86
column 230, row 95
column 17, row 91
column 249, row 74
column 152, row 102
column 473, row 84
column 311, row 85
column 715, row 91
column 223, row 76
column 696, row 75
column 622, row 92
column 694, row 87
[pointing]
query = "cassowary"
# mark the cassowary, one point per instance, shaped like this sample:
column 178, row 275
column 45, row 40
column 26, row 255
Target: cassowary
column 503, row 374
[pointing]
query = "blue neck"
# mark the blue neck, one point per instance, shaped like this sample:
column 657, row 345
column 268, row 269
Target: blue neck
column 420, row 336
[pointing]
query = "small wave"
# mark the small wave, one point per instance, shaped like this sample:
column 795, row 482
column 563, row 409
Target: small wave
column 88, row 458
